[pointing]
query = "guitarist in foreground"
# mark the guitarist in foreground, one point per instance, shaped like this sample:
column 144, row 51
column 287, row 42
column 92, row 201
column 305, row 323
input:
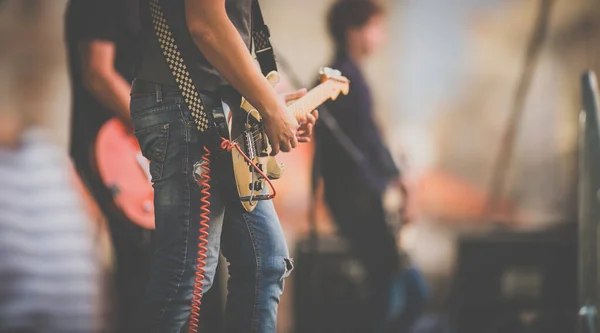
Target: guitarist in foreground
column 214, row 37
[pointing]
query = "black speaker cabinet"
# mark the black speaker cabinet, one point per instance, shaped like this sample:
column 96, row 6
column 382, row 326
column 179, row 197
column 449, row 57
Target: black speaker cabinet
column 516, row 283
column 330, row 289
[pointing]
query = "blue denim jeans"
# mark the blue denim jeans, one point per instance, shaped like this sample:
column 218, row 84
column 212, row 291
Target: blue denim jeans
column 253, row 243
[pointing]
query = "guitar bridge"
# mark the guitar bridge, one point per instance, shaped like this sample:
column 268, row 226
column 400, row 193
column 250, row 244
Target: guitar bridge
column 250, row 149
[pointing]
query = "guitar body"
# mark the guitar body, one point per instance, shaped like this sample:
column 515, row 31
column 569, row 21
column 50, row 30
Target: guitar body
column 248, row 132
column 247, row 126
column 124, row 171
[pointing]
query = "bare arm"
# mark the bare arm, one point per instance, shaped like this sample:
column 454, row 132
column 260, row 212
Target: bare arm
column 102, row 79
column 221, row 44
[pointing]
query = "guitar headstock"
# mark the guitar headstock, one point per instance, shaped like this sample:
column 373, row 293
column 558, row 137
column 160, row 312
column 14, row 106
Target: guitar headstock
column 339, row 83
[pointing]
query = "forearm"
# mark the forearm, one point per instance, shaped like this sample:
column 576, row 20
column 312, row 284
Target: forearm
column 112, row 91
column 223, row 47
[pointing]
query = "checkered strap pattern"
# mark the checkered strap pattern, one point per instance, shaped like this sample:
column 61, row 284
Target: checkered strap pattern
column 173, row 56
column 261, row 40
column 262, row 44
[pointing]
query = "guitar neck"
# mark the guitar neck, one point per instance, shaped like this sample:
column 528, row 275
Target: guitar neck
column 315, row 97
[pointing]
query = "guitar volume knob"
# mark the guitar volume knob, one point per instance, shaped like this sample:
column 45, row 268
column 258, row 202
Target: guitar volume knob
column 257, row 186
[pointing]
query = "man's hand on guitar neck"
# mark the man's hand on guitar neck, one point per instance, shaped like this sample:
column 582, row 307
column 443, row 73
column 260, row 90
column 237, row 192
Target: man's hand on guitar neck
column 306, row 124
column 281, row 129
column 293, row 130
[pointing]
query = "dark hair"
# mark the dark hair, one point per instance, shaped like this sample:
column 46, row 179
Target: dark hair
column 347, row 14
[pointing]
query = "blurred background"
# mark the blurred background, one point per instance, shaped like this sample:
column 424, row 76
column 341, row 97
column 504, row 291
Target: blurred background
column 480, row 102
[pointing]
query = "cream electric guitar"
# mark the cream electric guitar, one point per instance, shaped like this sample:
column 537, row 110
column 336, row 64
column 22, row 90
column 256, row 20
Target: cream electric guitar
column 249, row 134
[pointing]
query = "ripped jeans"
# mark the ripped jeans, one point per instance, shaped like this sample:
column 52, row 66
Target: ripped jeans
column 253, row 243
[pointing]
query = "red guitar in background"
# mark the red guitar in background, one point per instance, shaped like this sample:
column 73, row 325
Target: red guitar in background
column 125, row 171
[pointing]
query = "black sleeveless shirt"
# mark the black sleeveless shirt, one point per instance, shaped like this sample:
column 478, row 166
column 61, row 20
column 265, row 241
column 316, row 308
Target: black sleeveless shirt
column 151, row 65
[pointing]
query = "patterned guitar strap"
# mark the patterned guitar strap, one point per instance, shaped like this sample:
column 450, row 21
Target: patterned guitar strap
column 262, row 44
column 172, row 54
column 176, row 63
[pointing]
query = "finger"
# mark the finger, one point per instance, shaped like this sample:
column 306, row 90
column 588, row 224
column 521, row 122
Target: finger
column 315, row 114
column 302, row 120
column 285, row 147
column 308, row 129
column 294, row 141
column 295, row 95
column 302, row 135
column 305, row 129
column 310, row 119
column 274, row 149
column 303, row 139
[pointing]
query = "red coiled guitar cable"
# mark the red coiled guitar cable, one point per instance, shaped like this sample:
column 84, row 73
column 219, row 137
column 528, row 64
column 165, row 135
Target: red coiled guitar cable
column 202, row 242
column 204, row 220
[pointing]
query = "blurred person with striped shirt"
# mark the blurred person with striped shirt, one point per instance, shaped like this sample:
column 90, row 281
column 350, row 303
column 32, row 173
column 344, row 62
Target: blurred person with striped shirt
column 49, row 274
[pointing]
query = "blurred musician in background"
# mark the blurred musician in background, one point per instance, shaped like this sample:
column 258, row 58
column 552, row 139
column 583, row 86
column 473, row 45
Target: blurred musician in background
column 354, row 188
column 101, row 36
column 48, row 264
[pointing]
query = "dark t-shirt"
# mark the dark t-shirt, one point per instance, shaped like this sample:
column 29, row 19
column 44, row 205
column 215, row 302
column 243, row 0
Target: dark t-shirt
column 354, row 114
column 116, row 21
column 153, row 67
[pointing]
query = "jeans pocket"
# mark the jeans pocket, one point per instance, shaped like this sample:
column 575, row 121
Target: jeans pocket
column 154, row 141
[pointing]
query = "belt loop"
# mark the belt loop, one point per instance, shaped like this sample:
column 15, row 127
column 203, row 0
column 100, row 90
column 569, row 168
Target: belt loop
column 159, row 93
